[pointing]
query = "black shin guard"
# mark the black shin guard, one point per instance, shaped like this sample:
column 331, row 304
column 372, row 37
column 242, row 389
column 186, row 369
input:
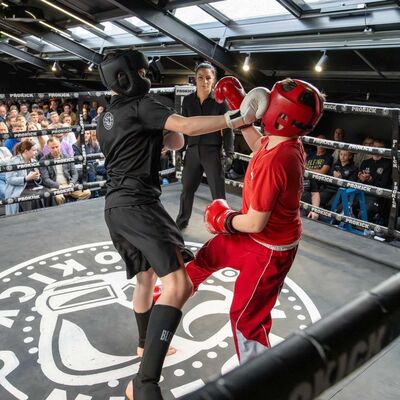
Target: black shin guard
column 142, row 321
column 162, row 325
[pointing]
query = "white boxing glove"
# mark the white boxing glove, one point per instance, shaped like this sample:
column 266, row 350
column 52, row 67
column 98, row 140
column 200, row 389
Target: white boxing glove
column 253, row 107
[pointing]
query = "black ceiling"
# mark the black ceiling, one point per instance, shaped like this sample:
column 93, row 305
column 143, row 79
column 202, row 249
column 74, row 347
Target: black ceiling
column 362, row 66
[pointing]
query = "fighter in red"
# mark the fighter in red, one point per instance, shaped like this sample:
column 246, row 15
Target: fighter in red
column 261, row 239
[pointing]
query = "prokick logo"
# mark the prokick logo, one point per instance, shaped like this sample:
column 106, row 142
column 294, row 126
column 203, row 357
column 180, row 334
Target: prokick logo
column 67, row 330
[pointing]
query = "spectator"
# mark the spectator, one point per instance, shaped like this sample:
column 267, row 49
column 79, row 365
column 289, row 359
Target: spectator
column 344, row 168
column 360, row 157
column 377, row 171
column 338, row 136
column 5, row 157
column 61, row 175
column 12, row 142
column 68, row 111
column 41, row 117
column 66, row 148
column 54, row 119
column 24, row 111
column 93, row 169
column 85, row 116
column 100, row 109
column 93, row 109
column 3, row 113
column 320, row 161
column 25, row 182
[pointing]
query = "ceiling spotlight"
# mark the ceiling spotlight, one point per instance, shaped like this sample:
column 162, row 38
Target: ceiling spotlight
column 90, row 67
column 70, row 14
column 368, row 30
column 13, row 37
column 246, row 64
column 54, row 66
column 319, row 66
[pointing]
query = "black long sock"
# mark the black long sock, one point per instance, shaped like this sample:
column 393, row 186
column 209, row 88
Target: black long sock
column 162, row 326
column 142, row 321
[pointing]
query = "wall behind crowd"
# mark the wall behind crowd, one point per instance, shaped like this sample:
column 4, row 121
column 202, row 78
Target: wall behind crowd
column 356, row 127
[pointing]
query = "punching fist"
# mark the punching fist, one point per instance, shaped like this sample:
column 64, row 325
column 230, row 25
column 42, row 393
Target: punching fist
column 218, row 217
column 230, row 89
column 253, row 107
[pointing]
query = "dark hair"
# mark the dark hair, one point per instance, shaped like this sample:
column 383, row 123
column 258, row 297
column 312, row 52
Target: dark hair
column 22, row 146
column 207, row 65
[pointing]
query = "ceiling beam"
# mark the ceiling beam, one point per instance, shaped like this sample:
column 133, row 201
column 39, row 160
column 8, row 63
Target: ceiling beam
column 23, row 55
column 128, row 27
column 218, row 15
column 365, row 59
column 189, row 37
column 57, row 40
column 292, row 7
column 173, row 4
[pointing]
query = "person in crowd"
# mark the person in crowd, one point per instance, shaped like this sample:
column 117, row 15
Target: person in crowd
column 91, row 147
column 261, row 239
column 66, row 148
column 95, row 119
column 25, row 182
column 24, row 111
column 93, row 109
column 85, row 116
column 34, row 108
column 376, row 171
column 41, row 117
column 67, row 107
column 338, row 136
column 12, row 142
column 54, row 119
column 3, row 113
column 344, row 168
column 320, row 161
column 5, row 157
column 130, row 133
column 360, row 157
column 203, row 153
column 61, row 175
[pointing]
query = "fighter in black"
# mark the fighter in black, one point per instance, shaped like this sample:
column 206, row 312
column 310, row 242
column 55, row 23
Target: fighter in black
column 130, row 133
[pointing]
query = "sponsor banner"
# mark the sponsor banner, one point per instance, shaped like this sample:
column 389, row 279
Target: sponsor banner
column 355, row 148
column 359, row 109
column 386, row 193
column 364, row 225
column 19, row 135
column 72, row 95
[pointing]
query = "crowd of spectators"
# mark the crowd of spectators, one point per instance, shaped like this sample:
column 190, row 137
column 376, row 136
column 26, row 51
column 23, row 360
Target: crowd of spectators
column 358, row 167
column 24, row 117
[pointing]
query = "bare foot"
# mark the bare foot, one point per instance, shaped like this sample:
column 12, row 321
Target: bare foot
column 170, row 352
column 129, row 391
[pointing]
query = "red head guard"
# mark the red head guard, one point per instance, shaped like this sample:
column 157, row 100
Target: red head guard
column 295, row 107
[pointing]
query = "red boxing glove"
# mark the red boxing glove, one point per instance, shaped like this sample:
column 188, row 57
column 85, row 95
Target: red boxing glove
column 218, row 217
column 230, row 89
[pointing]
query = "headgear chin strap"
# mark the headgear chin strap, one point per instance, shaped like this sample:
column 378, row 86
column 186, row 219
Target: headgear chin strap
column 295, row 107
column 120, row 74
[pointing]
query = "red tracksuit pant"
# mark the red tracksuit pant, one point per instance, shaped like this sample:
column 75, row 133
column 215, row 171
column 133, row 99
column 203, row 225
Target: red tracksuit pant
column 261, row 277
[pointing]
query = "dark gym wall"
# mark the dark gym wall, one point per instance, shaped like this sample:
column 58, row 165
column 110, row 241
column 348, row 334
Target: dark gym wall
column 356, row 127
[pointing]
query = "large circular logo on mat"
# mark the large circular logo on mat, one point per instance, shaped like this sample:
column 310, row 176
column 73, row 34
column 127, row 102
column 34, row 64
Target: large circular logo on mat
column 67, row 329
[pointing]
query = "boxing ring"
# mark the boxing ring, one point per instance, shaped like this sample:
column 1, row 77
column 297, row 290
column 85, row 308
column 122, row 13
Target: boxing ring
column 67, row 330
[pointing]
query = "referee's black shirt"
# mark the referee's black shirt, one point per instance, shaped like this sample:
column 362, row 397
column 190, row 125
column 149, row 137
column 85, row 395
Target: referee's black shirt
column 191, row 107
column 130, row 134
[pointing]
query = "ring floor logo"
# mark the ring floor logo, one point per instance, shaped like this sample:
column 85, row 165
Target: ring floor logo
column 67, row 329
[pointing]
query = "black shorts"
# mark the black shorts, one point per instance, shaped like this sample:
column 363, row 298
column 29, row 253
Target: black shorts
column 145, row 236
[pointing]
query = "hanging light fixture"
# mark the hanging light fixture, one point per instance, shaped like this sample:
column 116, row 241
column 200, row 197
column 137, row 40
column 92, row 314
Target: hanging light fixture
column 54, row 66
column 246, row 64
column 319, row 65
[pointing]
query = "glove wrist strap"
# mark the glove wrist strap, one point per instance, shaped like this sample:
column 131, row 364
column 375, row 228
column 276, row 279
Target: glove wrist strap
column 228, row 222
